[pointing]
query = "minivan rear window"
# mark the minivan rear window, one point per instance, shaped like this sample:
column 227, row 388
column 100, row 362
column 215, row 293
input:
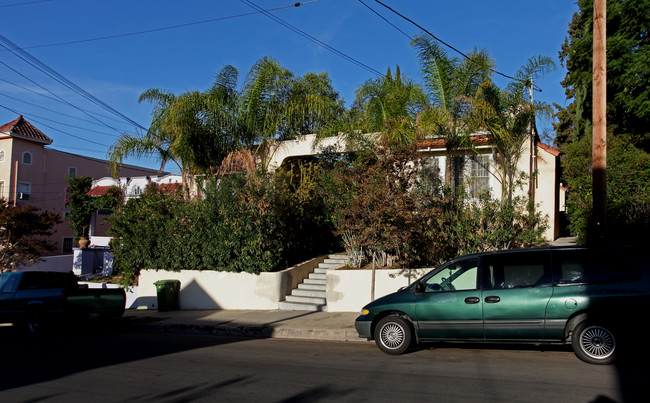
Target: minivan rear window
column 594, row 266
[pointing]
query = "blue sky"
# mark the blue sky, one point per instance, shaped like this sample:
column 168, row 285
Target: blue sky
column 202, row 36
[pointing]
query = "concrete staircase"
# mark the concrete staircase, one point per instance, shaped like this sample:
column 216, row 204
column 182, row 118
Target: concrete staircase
column 311, row 294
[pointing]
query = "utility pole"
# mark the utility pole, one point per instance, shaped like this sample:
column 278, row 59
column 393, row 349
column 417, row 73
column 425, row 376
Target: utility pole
column 599, row 118
column 532, row 181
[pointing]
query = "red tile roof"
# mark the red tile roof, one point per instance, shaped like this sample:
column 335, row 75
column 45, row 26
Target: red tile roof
column 22, row 128
column 98, row 190
column 433, row 143
column 548, row 149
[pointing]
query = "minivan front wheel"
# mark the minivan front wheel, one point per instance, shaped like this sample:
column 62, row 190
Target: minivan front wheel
column 393, row 335
column 594, row 343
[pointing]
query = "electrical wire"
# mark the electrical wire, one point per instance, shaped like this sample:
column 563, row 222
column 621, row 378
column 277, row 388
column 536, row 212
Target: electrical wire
column 55, row 129
column 28, row 58
column 26, row 3
column 311, row 38
column 148, row 31
column 443, row 42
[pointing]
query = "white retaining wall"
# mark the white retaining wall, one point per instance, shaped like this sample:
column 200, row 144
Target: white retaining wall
column 225, row 290
column 348, row 290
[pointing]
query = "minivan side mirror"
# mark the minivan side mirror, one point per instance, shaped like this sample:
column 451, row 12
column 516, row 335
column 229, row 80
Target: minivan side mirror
column 419, row 288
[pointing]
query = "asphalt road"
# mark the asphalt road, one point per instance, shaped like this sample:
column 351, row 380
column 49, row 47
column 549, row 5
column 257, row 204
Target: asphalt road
column 123, row 365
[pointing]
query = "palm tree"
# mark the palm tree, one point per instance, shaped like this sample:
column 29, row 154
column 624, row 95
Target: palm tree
column 509, row 117
column 197, row 130
column 448, row 82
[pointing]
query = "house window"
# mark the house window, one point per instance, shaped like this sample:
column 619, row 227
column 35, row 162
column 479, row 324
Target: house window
column 479, row 179
column 2, row 189
column 2, row 155
column 471, row 174
column 72, row 172
column 66, row 245
column 430, row 175
column 27, row 158
column 24, row 190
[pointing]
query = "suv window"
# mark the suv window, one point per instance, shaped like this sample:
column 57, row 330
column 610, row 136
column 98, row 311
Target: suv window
column 594, row 266
column 516, row 270
column 43, row 280
column 456, row 276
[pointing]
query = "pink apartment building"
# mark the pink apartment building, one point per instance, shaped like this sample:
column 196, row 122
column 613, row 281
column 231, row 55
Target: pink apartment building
column 31, row 173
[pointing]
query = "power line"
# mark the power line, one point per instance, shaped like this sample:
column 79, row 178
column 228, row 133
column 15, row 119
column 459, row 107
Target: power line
column 28, row 58
column 53, row 111
column 55, row 129
column 438, row 39
column 26, row 3
column 311, row 38
column 152, row 30
column 57, row 100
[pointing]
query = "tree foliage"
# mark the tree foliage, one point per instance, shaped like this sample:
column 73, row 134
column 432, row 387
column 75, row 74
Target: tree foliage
column 628, row 71
column 23, row 232
column 628, row 120
column 198, row 129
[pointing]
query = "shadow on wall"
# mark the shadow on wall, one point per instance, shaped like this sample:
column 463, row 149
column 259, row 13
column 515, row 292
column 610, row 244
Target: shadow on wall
column 190, row 296
column 410, row 274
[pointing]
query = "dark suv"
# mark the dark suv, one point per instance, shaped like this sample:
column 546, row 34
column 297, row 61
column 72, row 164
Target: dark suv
column 590, row 297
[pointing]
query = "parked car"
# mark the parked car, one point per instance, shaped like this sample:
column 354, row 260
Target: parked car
column 34, row 299
column 591, row 298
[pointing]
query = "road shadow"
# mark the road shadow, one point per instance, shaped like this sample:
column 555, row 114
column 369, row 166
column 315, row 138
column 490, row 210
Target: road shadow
column 63, row 351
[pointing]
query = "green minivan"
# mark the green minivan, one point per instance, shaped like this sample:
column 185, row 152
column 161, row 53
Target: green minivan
column 590, row 297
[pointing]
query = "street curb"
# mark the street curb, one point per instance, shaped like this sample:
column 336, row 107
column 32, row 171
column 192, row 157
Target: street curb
column 253, row 331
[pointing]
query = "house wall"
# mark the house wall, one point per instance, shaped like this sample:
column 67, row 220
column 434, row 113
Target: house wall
column 47, row 176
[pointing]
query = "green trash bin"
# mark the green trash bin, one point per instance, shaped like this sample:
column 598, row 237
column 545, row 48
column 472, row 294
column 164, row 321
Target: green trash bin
column 167, row 293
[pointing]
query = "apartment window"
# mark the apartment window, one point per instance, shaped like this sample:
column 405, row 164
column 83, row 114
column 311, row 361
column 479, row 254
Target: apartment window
column 24, row 190
column 72, row 172
column 66, row 245
column 27, row 158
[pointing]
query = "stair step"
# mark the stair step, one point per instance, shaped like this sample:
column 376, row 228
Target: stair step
column 309, row 293
column 336, row 261
column 329, row 265
column 308, row 300
column 292, row 306
column 314, row 281
column 321, row 270
column 317, row 276
column 311, row 287
column 346, row 258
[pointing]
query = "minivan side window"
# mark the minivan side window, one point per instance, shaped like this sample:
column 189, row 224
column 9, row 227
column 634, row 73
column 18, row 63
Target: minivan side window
column 594, row 266
column 456, row 276
column 516, row 270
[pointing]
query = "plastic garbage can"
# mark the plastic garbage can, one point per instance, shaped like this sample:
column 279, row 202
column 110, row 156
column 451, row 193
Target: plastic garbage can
column 167, row 293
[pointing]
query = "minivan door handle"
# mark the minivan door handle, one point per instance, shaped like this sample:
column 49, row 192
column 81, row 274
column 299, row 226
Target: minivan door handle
column 492, row 299
column 472, row 300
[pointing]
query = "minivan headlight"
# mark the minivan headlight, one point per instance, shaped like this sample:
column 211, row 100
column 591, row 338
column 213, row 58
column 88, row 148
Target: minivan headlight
column 364, row 312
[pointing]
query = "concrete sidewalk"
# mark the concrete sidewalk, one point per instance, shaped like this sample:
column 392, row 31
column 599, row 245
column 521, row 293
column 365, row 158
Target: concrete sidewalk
column 337, row 326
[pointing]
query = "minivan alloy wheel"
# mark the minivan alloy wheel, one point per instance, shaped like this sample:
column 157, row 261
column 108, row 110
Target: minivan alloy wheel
column 594, row 343
column 598, row 342
column 393, row 334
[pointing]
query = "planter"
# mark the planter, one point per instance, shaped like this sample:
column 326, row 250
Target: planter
column 84, row 242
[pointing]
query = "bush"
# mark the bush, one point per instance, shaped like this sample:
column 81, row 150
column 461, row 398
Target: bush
column 628, row 190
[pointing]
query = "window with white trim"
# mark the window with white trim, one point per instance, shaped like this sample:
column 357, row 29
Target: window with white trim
column 479, row 177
